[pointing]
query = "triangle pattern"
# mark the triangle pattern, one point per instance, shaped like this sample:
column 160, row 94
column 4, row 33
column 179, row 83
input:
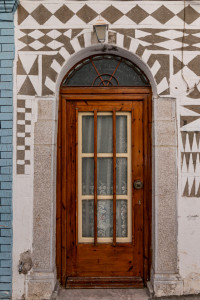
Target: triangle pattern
column 27, row 88
column 20, row 81
column 34, row 81
column 185, row 191
column 140, row 33
column 34, row 68
column 186, row 120
column 177, row 64
column 194, row 108
column 30, row 20
column 20, row 68
column 22, row 14
column 27, row 61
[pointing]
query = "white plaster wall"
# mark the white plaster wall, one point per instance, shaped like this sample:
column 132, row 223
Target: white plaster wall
column 188, row 211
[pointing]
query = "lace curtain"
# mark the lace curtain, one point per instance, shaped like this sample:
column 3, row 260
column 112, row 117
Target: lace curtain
column 104, row 176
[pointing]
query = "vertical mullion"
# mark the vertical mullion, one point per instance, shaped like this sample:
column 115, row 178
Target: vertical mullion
column 95, row 177
column 77, row 176
column 132, row 167
column 114, row 177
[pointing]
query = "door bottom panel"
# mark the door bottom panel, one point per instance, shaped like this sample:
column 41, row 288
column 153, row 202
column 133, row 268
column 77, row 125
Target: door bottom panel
column 104, row 282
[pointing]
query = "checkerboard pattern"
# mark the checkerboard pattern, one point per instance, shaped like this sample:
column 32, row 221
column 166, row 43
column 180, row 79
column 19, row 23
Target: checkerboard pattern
column 23, row 136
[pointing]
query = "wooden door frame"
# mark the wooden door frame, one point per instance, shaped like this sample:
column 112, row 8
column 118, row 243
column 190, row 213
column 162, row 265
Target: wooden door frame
column 96, row 93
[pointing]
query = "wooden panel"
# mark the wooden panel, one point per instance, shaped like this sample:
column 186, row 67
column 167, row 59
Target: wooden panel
column 95, row 177
column 112, row 282
column 90, row 261
column 105, row 90
column 69, row 185
column 114, row 177
column 98, row 97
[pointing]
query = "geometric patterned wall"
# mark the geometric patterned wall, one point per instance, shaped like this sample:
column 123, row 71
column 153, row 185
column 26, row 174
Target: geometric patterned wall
column 190, row 150
column 48, row 33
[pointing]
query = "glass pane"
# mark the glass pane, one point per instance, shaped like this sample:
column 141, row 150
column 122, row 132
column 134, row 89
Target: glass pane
column 88, row 218
column 129, row 75
column 104, row 176
column 88, row 134
column 104, row 134
column 121, row 134
column 106, row 66
column 121, row 176
column 88, row 176
column 82, row 76
column 98, row 71
column 104, row 218
column 121, row 216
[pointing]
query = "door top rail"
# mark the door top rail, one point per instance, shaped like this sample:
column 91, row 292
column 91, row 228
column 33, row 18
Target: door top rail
column 105, row 90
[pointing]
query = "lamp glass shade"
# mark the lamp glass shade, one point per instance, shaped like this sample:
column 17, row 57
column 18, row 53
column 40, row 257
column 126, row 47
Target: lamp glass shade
column 101, row 32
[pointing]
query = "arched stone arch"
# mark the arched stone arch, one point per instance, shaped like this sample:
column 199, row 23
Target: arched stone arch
column 81, row 47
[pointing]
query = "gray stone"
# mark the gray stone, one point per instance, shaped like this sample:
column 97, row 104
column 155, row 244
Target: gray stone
column 43, row 132
column 42, row 207
column 103, row 294
column 45, row 110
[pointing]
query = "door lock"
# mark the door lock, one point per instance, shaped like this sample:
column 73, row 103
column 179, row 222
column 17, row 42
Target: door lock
column 138, row 184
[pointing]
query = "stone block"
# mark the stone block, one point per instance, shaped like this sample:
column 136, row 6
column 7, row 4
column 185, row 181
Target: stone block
column 164, row 109
column 168, row 288
column 166, row 170
column 166, row 245
column 39, row 290
column 42, row 207
column 165, row 133
column 45, row 110
column 43, row 132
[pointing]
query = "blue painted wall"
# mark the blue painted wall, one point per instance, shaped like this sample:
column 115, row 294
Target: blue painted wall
column 6, row 137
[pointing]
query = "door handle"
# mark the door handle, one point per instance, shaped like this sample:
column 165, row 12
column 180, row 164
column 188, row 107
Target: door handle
column 138, row 184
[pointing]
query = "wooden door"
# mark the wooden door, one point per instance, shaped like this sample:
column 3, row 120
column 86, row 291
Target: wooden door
column 104, row 187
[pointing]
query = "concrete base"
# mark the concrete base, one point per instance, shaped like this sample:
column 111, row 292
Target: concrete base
column 185, row 297
column 39, row 285
column 167, row 285
column 103, row 294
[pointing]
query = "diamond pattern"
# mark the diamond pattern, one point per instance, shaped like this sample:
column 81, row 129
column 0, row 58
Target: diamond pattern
column 64, row 14
column 163, row 14
column 86, row 14
column 41, row 14
column 36, row 34
column 36, row 45
column 54, row 34
column 190, row 15
column 55, row 45
column 137, row 14
column 111, row 14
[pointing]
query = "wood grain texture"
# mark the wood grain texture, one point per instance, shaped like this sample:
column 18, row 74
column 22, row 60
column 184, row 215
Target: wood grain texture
column 95, row 176
column 104, row 282
column 114, row 177
column 92, row 262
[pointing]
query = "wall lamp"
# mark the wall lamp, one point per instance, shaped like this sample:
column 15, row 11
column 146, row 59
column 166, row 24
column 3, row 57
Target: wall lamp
column 100, row 29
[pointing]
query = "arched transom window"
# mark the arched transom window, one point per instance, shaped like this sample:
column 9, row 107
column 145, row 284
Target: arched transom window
column 105, row 70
